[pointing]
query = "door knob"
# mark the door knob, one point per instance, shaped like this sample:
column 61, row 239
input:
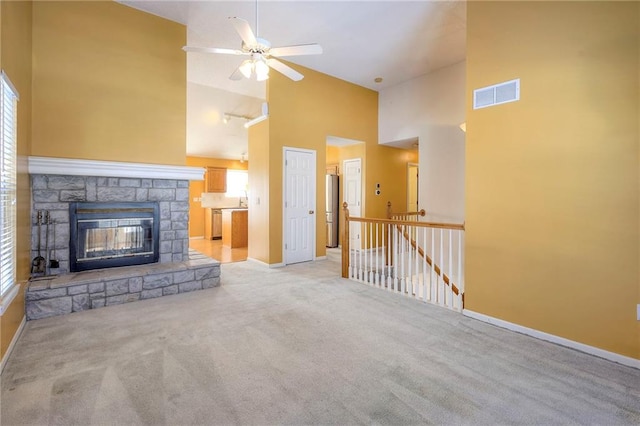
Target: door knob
column 310, row 211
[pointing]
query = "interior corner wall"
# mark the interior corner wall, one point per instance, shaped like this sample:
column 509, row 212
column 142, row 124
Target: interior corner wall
column 301, row 115
column 431, row 108
column 16, row 61
column 552, row 230
column 109, row 83
column 259, row 193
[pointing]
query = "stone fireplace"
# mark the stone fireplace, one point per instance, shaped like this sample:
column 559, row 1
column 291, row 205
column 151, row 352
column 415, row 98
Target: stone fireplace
column 119, row 232
column 56, row 193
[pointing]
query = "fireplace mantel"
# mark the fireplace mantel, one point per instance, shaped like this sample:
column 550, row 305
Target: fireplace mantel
column 77, row 167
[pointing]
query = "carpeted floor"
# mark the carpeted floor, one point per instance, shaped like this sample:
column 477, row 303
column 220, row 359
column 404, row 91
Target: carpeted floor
column 298, row 345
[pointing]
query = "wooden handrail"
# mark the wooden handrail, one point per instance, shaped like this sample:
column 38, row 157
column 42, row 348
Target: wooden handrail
column 456, row 226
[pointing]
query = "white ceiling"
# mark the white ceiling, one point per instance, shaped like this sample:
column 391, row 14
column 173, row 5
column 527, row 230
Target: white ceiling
column 361, row 40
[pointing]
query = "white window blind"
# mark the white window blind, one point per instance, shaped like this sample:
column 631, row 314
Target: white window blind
column 237, row 181
column 8, row 184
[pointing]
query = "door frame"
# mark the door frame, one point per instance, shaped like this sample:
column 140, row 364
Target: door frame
column 313, row 191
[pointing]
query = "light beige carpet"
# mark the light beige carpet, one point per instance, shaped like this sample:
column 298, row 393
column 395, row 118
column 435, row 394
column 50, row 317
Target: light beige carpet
column 299, row 345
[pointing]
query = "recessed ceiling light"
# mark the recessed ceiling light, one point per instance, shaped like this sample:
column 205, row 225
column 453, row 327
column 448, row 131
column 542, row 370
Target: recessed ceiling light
column 378, row 80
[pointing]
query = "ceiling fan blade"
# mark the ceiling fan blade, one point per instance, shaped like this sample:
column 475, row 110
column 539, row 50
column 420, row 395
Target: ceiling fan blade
column 236, row 75
column 284, row 69
column 300, row 49
column 244, row 29
column 214, row 50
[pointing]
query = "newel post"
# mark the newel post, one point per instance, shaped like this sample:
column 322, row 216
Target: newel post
column 345, row 242
column 389, row 214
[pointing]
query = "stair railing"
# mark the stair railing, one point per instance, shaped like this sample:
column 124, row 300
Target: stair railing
column 416, row 258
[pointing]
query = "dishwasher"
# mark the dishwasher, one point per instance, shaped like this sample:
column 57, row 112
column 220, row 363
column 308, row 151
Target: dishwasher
column 216, row 224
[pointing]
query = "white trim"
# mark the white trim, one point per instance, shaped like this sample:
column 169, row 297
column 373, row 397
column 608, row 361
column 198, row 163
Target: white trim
column 77, row 167
column 16, row 336
column 200, row 237
column 591, row 350
column 320, row 258
column 8, row 298
column 268, row 265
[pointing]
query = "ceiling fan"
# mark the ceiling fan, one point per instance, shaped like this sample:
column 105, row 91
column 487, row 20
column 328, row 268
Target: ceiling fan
column 262, row 55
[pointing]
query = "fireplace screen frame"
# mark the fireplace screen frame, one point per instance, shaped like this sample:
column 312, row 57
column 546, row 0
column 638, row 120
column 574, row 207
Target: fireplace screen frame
column 82, row 213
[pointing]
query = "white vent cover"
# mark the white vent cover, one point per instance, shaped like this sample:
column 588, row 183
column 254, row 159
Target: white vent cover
column 497, row 94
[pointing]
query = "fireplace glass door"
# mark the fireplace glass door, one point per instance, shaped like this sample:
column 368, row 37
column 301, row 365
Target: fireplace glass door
column 109, row 238
column 105, row 235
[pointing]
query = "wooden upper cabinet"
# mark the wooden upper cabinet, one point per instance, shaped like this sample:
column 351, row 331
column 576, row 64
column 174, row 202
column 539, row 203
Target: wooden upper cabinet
column 216, row 179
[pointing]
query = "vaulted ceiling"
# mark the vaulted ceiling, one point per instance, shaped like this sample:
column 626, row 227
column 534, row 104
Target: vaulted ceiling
column 361, row 40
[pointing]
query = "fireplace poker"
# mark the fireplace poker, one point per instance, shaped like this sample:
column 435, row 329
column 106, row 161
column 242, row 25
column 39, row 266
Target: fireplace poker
column 38, row 265
column 53, row 262
column 47, row 219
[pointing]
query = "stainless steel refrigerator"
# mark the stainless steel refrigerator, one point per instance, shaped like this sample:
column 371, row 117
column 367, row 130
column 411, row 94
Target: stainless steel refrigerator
column 333, row 209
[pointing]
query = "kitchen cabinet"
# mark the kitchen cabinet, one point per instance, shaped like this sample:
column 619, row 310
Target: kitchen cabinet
column 234, row 227
column 216, row 179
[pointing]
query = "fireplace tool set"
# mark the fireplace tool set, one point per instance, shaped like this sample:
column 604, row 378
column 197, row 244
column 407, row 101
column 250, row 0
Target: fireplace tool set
column 39, row 265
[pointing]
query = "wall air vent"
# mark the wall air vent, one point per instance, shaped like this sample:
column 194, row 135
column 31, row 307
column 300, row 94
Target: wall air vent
column 497, row 94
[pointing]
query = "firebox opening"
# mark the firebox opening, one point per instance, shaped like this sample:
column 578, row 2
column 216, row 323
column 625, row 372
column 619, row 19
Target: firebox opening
column 104, row 235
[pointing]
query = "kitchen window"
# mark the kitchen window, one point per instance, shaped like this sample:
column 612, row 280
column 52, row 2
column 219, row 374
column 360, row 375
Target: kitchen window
column 8, row 190
column 237, row 183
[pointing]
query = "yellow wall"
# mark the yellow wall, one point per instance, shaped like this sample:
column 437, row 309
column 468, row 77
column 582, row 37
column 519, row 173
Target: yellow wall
column 15, row 60
column 301, row 115
column 109, row 83
column 552, row 240
column 197, row 187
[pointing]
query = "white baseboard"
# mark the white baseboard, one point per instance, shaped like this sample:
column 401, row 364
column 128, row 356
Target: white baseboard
column 197, row 238
column 5, row 358
column 320, row 258
column 268, row 265
column 591, row 350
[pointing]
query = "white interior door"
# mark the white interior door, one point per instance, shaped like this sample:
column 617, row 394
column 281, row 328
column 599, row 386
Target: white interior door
column 353, row 196
column 299, row 205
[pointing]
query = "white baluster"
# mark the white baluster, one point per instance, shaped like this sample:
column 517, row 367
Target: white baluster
column 440, row 262
column 395, row 258
column 450, row 268
column 424, row 265
column 377, row 274
column 460, row 277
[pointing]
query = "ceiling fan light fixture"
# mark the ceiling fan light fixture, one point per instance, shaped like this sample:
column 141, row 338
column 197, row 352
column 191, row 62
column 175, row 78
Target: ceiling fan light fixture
column 246, row 68
column 262, row 70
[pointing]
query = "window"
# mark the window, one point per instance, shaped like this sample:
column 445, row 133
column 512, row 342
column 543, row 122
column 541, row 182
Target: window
column 8, row 186
column 237, row 183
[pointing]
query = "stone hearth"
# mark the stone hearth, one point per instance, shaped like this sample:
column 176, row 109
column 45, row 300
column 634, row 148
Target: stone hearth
column 75, row 292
